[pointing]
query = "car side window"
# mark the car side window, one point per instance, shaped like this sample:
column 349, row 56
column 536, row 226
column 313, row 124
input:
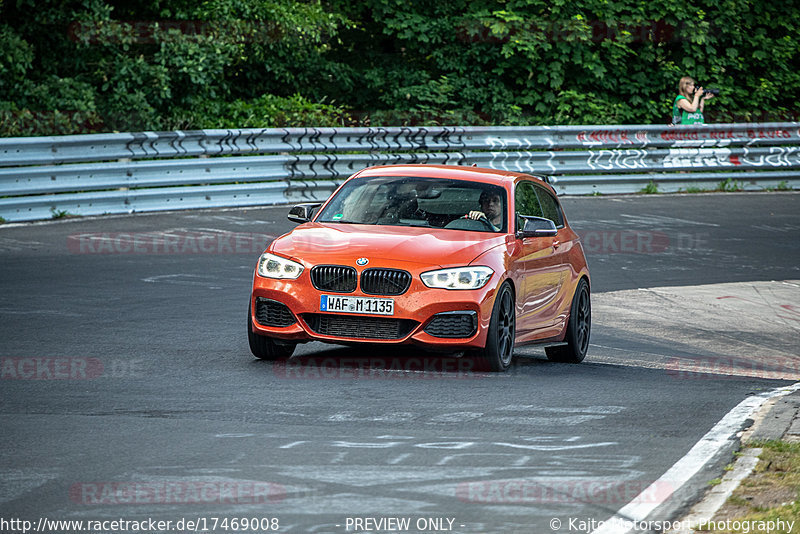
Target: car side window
column 550, row 207
column 526, row 202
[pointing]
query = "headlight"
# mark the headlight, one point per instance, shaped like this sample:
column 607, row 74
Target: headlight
column 272, row 266
column 458, row 278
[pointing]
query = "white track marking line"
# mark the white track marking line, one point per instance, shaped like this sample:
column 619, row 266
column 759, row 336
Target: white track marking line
column 704, row 511
column 688, row 466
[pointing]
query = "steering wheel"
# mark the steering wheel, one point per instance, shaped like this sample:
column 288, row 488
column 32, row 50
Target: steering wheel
column 486, row 222
column 477, row 225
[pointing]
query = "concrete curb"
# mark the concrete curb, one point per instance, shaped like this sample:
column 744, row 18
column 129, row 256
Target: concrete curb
column 782, row 421
column 778, row 420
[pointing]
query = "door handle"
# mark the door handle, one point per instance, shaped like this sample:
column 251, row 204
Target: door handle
column 556, row 244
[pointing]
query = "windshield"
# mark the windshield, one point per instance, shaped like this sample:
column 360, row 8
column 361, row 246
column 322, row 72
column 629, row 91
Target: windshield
column 424, row 202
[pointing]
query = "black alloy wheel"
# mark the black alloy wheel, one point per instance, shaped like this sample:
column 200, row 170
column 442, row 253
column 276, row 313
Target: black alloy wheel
column 499, row 350
column 578, row 329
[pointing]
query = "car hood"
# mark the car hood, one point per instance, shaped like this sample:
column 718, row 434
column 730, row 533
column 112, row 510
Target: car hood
column 315, row 243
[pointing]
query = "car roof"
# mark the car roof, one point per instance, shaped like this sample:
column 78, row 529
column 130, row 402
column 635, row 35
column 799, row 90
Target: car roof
column 499, row 177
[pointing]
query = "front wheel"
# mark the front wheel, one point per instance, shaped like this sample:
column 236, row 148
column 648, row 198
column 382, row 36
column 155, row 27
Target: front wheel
column 578, row 329
column 499, row 348
column 263, row 347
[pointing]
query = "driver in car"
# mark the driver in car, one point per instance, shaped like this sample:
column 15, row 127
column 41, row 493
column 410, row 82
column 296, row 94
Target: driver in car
column 491, row 209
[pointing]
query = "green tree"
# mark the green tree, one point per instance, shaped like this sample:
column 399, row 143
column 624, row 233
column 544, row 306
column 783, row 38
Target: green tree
column 81, row 65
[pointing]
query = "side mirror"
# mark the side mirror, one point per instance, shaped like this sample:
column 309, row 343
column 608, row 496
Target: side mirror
column 536, row 227
column 302, row 213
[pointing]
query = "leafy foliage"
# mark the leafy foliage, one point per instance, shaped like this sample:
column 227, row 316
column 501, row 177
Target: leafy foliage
column 69, row 66
column 267, row 111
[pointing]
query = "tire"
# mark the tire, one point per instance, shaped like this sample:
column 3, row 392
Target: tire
column 499, row 349
column 578, row 329
column 266, row 348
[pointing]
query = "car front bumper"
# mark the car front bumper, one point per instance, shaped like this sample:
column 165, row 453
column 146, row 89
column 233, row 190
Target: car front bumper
column 438, row 319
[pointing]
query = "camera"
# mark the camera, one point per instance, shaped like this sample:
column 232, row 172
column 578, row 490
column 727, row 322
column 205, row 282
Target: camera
column 714, row 92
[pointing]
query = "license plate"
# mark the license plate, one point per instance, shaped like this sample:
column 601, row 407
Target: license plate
column 341, row 304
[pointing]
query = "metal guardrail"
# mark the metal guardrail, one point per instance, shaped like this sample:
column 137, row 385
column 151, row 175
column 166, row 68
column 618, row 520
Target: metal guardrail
column 150, row 145
column 150, row 171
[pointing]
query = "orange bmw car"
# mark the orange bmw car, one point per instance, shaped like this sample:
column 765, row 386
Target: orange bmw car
column 446, row 257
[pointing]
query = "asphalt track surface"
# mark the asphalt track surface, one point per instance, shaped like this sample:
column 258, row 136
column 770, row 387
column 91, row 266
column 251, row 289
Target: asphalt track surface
column 128, row 391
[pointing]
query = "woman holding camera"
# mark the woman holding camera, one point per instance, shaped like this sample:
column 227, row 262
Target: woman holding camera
column 689, row 104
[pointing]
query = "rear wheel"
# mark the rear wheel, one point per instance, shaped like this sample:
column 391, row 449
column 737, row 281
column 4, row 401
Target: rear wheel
column 578, row 329
column 499, row 349
column 266, row 348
